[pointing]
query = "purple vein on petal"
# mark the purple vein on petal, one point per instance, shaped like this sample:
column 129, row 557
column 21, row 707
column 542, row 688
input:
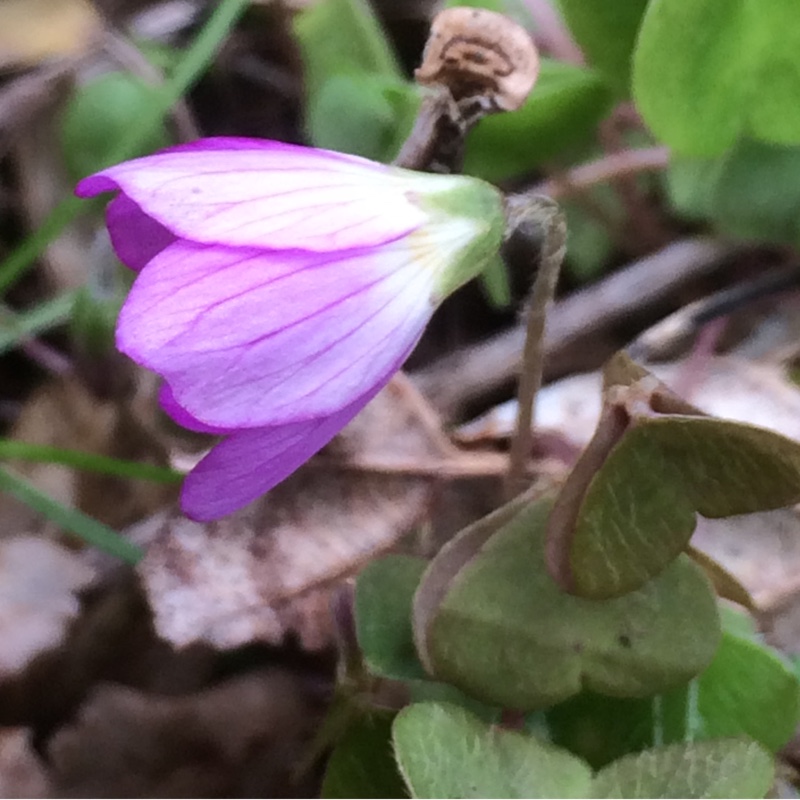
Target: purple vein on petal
column 214, row 276
column 206, row 382
column 300, row 320
column 197, row 197
column 399, row 358
column 308, row 360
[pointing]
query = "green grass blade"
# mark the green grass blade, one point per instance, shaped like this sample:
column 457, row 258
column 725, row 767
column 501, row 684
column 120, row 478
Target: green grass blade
column 191, row 66
column 14, row 327
column 90, row 462
column 88, row 529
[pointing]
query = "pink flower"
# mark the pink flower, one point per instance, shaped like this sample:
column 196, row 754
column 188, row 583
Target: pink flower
column 279, row 289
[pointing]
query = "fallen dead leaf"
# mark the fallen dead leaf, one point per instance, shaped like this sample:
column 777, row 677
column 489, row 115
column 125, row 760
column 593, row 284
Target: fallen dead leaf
column 29, row 94
column 238, row 739
column 64, row 413
column 32, row 31
column 730, row 388
column 22, row 773
column 267, row 569
column 761, row 550
column 39, row 580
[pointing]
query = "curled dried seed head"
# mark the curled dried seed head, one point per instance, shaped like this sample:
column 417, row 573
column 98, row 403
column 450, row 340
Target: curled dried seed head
column 475, row 52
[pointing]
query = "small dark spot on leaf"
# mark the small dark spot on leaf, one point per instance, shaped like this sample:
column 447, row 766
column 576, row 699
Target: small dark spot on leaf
column 624, row 640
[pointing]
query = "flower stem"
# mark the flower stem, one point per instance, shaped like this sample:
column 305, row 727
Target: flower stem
column 538, row 219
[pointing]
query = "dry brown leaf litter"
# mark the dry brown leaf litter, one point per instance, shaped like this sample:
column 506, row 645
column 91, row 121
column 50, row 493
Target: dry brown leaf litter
column 230, row 582
column 238, row 739
column 39, row 581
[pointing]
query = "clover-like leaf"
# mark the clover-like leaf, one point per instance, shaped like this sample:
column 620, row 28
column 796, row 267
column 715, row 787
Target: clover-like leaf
column 444, row 751
column 715, row 768
column 606, row 32
column 494, row 623
column 357, row 98
column 343, row 36
column 363, row 114
column 752, row 192
column 706, row 72
column 362, row 763
column 630, row 505
column 748, row 690
column 725, row 584
column 639, row 509
column 384, row 592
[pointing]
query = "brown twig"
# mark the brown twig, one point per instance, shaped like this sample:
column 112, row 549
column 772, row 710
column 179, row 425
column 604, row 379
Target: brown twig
column 662, row 339
column 646, row 224
column 552, row 34
column 462, row 465
column 626, row 162
column 436, row 141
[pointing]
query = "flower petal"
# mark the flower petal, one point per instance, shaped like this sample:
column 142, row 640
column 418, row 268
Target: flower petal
column 253, row 193
column 178, row 414
column 248, row 339
column 249, row 463
column 136, row 237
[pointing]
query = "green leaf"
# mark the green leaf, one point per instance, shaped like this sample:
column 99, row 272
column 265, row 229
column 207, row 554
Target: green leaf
column 707, row 72
column 691, row 184
column 516, row 9
column 433, row 691
column 99, row 114
column 562, row 111
column 362, row 763
column 366, row 115
column 638, row 510
column 726, row 585
column 384, row 592
column 606, row 32
column 720, row 768
column 358, row 100
column 748, row 689
column 343, row 36
column 600, row 729
column 499, row 613
column 88, row 529
column 590, row 242
column 444, row 751
column 751, row 193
